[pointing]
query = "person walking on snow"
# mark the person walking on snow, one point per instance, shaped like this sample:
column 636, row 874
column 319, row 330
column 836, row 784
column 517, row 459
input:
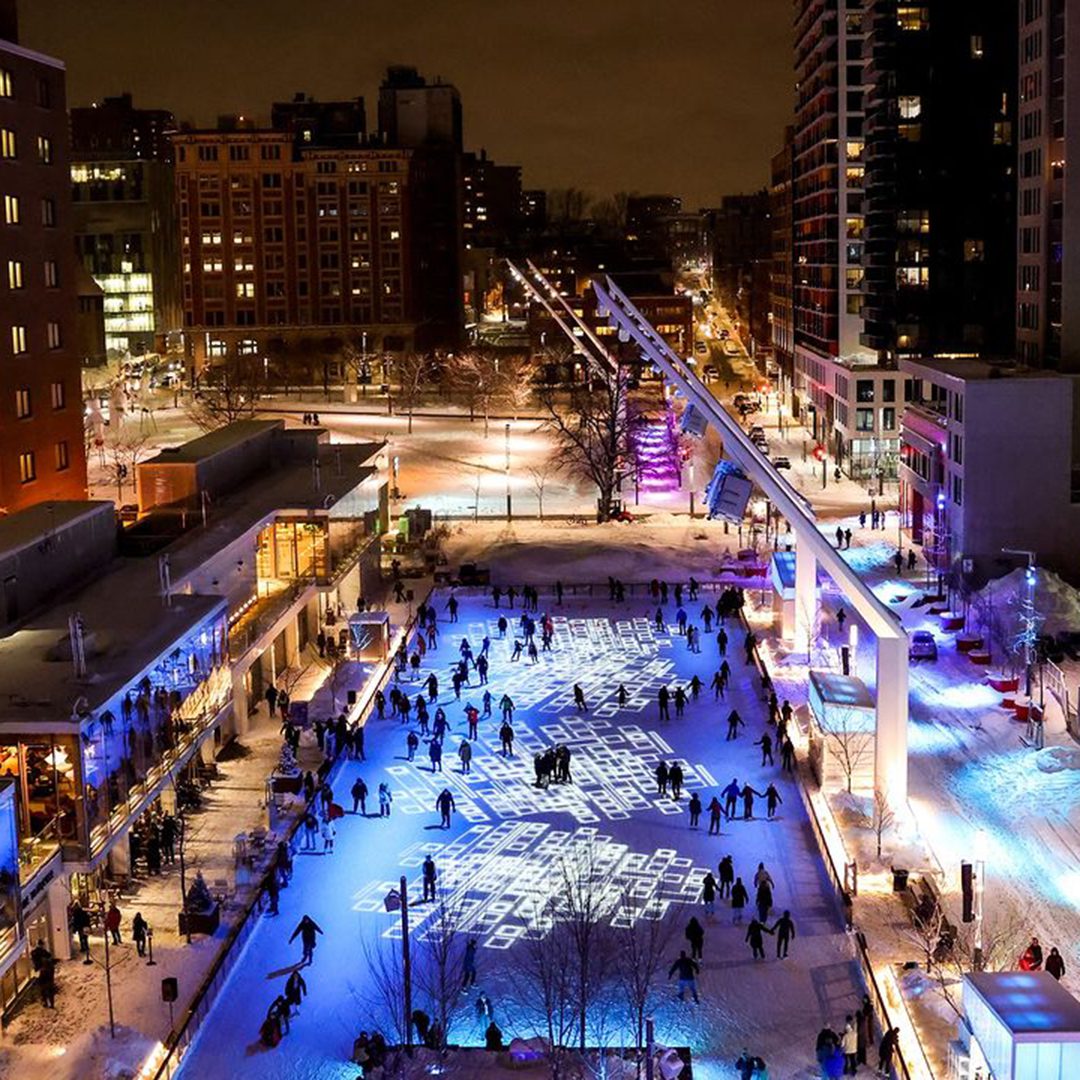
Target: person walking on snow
column 1055, row 964
column 307, row 928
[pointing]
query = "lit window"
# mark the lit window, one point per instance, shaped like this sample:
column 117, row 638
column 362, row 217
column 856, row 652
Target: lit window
column 45, row 150
column 7, row 143
column 52, row 274
column 53, row 335
column 18, row 340
column 245, row 289
column 977, row 52
column 57, row 395
column 22, row 403
column 247, row 347
column 910, row 106
column 913, row 277
column 913, row 18
column 11, row 209
column 216, row 347
column 974, row 251
column 6, row 89
column 27, row 468
column 15, row 274
column 63, row 458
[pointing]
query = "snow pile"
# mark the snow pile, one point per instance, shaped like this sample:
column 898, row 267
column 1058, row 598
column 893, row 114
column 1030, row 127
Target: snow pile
column 1056, row 759
column 96, row 1056
column 1056, row 601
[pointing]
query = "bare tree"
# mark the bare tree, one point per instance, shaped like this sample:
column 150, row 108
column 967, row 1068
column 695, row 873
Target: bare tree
column 884, row 817
column 515, row 383
column 848, row 742
column 540, row 475
column 474, row 375
column 439, row 968
column 124, row 448
column 412, row 371
column 565, row 205
column 227, row 392
column 383, row 996
column 592, row 435
column 643, row 942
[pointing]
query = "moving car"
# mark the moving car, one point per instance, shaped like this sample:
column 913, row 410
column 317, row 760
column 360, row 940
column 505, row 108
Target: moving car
column 781, row 463
column 923, row 646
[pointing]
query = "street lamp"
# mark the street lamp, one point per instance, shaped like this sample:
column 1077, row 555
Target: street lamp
column 980, row 885
column 509, row 504
column 692, row 489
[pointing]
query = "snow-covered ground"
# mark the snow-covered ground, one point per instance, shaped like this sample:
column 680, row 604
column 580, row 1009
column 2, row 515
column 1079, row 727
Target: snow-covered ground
column 498, row 859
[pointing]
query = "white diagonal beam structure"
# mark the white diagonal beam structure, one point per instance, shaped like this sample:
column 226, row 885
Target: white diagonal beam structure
column 811, row 549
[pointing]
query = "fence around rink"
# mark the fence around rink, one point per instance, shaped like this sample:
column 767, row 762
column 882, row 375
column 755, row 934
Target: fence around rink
column 167, row 1060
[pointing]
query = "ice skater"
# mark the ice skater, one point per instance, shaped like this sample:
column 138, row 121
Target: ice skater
column 687, row 970
column 765, row 742
column 734, row 722
column 754, row 934
column 784, row 929
column 695, row 810
column 307, row 928
column 731, row 797
column 446, row 806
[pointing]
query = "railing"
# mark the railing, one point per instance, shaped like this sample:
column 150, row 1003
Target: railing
column 170, row 1060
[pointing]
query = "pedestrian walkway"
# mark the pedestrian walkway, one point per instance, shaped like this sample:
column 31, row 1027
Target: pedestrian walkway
column 507, row 839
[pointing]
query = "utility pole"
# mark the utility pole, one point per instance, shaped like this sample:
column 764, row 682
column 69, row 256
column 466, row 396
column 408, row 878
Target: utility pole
column 406, row 962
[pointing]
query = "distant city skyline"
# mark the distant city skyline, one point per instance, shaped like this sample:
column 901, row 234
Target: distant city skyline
column 688, row 99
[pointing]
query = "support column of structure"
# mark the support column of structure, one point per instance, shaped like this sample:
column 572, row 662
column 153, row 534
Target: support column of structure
column 891, row 741
column 806, row 597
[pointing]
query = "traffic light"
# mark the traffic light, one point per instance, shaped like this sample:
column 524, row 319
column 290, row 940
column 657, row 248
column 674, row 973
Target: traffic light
column 967, row 888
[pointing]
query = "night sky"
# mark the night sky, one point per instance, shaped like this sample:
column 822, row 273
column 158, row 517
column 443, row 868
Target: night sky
column 607, row 95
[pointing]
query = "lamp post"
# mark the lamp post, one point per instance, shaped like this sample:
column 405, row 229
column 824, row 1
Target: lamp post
column 406, row 962
column 509, row 502
column 108, row 974
column 980, row 885
column 691, row 489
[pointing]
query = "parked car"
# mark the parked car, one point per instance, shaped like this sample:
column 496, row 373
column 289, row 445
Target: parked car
column 923, row 646
column 711, row 372
column 701, row 347
column 756, row 430
column 781, row 463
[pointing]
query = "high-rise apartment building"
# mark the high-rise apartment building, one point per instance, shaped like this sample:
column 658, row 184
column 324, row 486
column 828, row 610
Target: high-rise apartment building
column 491, row 201
column 122, row 182
column 1048, row 205
column 415, row 113
column 42, row 455
column 780, row 276
column 940, row 178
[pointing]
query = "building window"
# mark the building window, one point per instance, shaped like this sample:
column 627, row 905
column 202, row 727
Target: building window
column 7, row 143
column 888, row 418
column 53, row 335
column 52, row 274
column 864, row 419
column 44, row 94
column 27, row 468
column 22, row 403
column 910, row 106
column 913, row 18
column 245, row 289
column 63, row 458
column 977, row 51
column 6, row 89
column 48, row 213
column 913, row 277
column 888, row 390
column 247, row 347
column 18, row 340
column 216, row 347
column 974, row 251
column 57, row 395
column 14, row 274
column 45, row 150
column 958, row 490
column 864, row 389
column 11, row 209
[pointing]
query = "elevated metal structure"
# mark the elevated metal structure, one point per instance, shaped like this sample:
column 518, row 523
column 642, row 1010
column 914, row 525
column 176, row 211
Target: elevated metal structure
column 812, row 548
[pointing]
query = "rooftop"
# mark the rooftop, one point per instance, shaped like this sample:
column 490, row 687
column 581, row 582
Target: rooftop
column 1028, row 1002
column 215, row 442
column 972, row 369
column 835, row 689
column 32, row 525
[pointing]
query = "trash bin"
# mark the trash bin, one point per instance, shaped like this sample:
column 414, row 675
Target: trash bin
column 899, row 879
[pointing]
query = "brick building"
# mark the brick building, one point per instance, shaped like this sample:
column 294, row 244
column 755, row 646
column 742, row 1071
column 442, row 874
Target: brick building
column 42, row 455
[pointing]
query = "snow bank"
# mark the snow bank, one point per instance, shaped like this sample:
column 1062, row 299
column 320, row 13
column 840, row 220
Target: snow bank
column 1056, row 601
column 1058, row 759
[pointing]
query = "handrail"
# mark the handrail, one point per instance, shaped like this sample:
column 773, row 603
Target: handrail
column 180, row 1038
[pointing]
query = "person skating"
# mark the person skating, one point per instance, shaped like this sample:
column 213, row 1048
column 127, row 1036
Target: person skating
column 659, row 621
column 579, row 698
column 1055, row 964
column 295, row 989
column 734, row 722
column 706, row 618
column 772, row 801
column 765, row 742
column 412, row 744
column 754, row 936
column 784, row 929
column 385, row 799
column 731, row 797
column 726, row 868
column 787, row 755
column 506, row 739
column 506, row 706
column 273, row 889
column 661, row 777
column 621, row 696
column 662, row 696
column 722, row 642
column 687, row 970
column 452, row 607
column 328, row 832
column 695, row 810
column 429, row 875
column 472, row 719
column 675, row 779
column 739, row 899
column 446, row 806
column 708, row 893
column 715, row 813
column 695, row 935
column 468, row 965
column 311, row 831
column 717, row 686
column 763, row 875
column 487, row 704
column 465, row 754
column 493, row 1036
column 435, row 754
column 433, row 688
column 748, row 794
column 306, row 928
column 680, row 701
column 764, row 900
